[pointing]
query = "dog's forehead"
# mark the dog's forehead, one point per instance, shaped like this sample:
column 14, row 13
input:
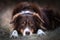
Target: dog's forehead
column 27, row 18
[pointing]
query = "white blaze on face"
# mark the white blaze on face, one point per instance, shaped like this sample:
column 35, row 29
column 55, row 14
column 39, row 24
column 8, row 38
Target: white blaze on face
column 41, row 32
column 28, row 31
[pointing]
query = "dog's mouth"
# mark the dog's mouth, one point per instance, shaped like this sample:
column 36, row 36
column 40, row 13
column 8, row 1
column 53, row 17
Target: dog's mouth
column 27, row 31
column 30, row 31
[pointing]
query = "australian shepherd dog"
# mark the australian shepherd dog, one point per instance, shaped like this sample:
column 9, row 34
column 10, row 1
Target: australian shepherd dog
column 29, row 18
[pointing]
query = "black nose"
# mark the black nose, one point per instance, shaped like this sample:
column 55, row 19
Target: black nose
column 27, row 33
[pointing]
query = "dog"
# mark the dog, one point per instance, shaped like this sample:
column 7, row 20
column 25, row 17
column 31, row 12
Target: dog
column 29, row 18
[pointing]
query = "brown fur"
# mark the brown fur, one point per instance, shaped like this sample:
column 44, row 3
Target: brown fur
column 34, row 22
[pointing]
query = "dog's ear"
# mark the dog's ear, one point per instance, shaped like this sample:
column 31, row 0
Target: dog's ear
column 39, row 23
column 15, row 18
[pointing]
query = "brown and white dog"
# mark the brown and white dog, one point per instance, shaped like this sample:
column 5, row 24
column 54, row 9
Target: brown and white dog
column 28, row 18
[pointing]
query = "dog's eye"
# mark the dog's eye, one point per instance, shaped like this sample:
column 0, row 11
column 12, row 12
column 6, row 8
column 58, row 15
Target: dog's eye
column 23, row 23
column 31, row 24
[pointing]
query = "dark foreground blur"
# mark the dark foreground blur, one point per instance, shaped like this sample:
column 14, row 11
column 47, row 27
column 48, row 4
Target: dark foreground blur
column 52, row 35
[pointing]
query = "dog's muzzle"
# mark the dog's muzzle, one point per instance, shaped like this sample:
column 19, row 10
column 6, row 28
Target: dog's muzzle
column 27, row 31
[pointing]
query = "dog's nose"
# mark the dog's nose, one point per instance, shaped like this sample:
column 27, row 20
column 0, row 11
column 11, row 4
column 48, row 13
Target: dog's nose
column 27, row 33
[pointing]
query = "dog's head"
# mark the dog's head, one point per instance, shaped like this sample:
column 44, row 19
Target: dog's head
column 27, row 18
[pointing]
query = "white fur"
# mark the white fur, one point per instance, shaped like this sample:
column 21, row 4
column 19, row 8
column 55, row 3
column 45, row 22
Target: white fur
column 14, row 34
column 25, row 12
column 41, row 32
column 27, row 30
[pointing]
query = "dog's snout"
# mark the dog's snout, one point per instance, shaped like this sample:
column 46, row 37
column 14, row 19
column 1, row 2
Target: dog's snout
column 27, row 33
